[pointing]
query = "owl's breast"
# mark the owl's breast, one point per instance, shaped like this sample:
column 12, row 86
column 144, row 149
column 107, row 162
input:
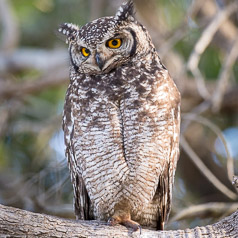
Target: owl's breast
column 98, row 142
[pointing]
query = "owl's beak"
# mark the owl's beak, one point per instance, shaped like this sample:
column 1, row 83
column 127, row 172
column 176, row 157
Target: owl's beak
column 99, row 61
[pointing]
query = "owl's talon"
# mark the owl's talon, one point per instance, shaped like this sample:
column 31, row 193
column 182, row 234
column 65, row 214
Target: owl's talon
column 132, row 224
column 125, row 222
column 112, row 221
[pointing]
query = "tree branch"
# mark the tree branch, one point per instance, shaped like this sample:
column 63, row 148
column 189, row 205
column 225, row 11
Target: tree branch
column 214, row 209
column 52, row 79
column 206, row 172
column 204, row 121
column 223, row 79
column 202, row 44
column 19, row 223
column 10, row 35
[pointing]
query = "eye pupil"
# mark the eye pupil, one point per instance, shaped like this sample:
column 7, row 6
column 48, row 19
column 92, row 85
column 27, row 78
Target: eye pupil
column 86, row 51
column 114, row 42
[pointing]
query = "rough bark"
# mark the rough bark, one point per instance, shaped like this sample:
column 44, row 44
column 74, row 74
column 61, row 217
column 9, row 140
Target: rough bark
column 20, row 223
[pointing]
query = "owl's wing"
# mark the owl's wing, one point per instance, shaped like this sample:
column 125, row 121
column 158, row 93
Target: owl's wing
column 151, row 124
column 165, row 185
column 81, row 198
column 166, row 179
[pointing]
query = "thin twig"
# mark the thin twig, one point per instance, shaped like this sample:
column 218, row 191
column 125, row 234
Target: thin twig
column 218, row 132
column 202, row 44
column 201, row 108
column 10, row 34
column 206, row 172
column 167, row 45
column 224, row 77
column 53, row 189
column 215, row 208
column 52, row 79
column 34, row 58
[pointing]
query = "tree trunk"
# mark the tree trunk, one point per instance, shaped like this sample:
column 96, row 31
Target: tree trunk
column 19, row 223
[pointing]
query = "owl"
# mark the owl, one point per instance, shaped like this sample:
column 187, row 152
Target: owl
column 121, row 123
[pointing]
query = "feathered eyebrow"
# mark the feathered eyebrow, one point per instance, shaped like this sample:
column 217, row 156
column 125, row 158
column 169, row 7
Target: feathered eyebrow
column 117, row 34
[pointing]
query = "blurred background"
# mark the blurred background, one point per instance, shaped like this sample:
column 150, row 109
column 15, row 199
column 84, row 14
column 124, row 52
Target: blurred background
column 198, row 42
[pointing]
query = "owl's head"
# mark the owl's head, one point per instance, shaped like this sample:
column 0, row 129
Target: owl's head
column 106, row 43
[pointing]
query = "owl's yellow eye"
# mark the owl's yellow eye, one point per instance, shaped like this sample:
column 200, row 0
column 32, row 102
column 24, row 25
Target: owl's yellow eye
column 114, row 43
column 85, row 52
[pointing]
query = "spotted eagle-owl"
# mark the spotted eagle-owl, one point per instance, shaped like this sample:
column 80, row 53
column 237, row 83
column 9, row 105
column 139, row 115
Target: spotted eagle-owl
column 121, row 123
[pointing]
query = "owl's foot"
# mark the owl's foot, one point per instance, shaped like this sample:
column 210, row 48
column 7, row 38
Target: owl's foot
column 125, row 221
column 132, row 224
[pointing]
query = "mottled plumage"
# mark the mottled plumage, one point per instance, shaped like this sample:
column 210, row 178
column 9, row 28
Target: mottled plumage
column 121, row 123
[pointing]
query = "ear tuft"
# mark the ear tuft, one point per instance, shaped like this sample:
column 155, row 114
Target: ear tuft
column 69, row 30
column 125, row 12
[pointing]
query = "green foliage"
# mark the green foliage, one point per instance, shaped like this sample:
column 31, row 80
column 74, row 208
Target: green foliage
column 185, row 46
column 210, row 63
column 173, row 11
column 39, row 19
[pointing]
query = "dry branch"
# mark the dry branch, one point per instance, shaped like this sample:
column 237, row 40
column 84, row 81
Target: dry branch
column 205, row 171
column 19, row 223
column 34, row 59
column 53, row 79
column 203, row 43
column 10, row 35
column 224, row 77
column 214, row 209
column 204, row 121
